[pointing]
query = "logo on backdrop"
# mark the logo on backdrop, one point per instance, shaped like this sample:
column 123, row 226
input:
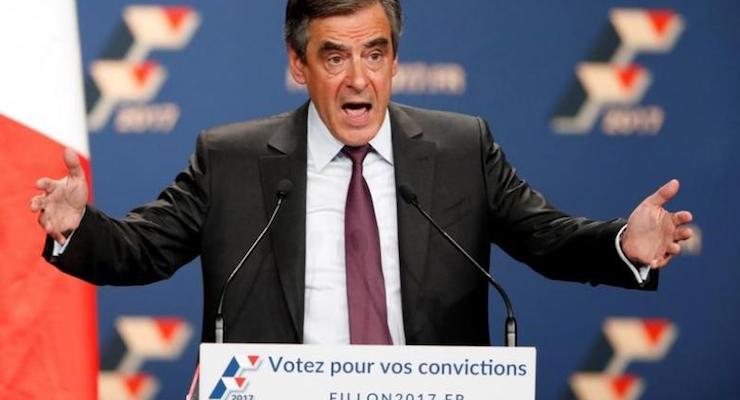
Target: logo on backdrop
column 609, row 78
column 624, row 341
column 136, row 340
column 124, row 75
column 694, row 245
column 234, row 379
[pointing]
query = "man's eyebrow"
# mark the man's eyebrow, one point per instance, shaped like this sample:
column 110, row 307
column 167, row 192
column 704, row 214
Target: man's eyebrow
column 331, row 46
column 377, row 42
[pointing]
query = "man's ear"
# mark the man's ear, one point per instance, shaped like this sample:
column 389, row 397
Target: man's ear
column 296, row 66
column 394, row 67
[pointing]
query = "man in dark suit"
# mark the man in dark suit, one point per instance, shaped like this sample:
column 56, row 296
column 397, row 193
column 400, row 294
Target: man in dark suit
column 344, row 51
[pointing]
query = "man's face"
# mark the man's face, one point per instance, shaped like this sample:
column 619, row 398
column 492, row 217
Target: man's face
column 349, row 67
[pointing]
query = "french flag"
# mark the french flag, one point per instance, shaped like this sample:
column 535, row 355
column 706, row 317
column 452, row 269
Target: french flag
column 48, row 328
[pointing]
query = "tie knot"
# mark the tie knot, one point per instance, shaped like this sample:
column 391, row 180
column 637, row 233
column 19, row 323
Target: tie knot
column 356, row 153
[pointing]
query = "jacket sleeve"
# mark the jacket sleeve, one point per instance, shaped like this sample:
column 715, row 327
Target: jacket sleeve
column 150, row 243
column 554, row 244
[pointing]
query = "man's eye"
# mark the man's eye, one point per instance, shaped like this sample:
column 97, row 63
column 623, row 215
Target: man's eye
column 375, row 57
column 335, row 60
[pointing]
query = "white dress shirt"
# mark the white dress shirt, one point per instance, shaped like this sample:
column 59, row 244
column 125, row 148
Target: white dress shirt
column 329, row 171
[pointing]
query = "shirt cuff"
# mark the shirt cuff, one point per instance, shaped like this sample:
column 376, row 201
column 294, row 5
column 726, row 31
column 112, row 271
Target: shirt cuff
column 59, row 248
column 641, row 273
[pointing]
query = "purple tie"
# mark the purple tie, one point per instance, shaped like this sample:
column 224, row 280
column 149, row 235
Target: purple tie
column 368, row 317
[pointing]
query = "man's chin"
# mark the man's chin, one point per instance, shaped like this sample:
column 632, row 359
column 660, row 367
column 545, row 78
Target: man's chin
column 357, row 135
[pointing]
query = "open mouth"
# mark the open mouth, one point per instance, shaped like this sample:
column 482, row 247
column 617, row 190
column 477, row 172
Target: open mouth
column 357, row 113
column 356, row 108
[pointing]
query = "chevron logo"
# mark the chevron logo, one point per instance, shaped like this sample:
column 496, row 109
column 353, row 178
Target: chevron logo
column 124, row 74
column 136, row 340
column 607, row 387
column 609, row 76
column 624, row 341
column 128, row 81
column 116, row 385
column 234, row 379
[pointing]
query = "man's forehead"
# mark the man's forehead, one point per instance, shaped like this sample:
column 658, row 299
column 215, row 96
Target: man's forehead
column 365, row 24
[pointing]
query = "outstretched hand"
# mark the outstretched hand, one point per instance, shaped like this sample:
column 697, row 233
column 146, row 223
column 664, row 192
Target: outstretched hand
column 653, row 234
column 62, row 204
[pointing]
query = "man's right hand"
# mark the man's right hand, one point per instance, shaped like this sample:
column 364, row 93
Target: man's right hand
column 62, row 204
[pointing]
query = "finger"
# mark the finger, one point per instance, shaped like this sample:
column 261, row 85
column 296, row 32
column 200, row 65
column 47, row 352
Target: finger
column 38, row 202
column 673, row 249
column 662, row 262
column 58, row 237
column 682, row 217
column 48, row 226
column 683, row 233
column 73, row 163
column 664, row 194
column 45, row 184
column 43, row 221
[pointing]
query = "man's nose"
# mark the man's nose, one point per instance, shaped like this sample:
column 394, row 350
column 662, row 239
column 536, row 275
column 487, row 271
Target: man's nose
column 357, row 74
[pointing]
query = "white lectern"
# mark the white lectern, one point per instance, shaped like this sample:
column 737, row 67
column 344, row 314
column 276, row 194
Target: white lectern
column 326, row 372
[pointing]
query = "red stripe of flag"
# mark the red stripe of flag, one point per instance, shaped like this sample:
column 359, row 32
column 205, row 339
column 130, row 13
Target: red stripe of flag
column 48, row 328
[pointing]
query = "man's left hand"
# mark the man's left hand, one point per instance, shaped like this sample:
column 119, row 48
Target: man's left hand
column 653, row 233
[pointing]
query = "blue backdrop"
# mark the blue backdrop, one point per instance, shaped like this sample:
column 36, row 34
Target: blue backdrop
column 512, row 63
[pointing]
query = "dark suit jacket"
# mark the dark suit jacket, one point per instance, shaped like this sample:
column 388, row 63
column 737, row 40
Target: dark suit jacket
column 218, row 205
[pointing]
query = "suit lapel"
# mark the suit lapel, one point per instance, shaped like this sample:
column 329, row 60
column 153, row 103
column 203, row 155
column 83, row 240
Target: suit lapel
column 414, row 160
column 288, row 235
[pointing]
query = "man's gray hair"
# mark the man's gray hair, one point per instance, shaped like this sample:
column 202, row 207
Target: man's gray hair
column 299, row 13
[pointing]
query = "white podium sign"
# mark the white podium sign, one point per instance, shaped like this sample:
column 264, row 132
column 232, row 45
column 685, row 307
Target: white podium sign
column 325, row 372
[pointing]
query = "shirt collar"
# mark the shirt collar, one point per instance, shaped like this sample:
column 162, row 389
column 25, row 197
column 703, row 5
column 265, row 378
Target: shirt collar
column 323, row 146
